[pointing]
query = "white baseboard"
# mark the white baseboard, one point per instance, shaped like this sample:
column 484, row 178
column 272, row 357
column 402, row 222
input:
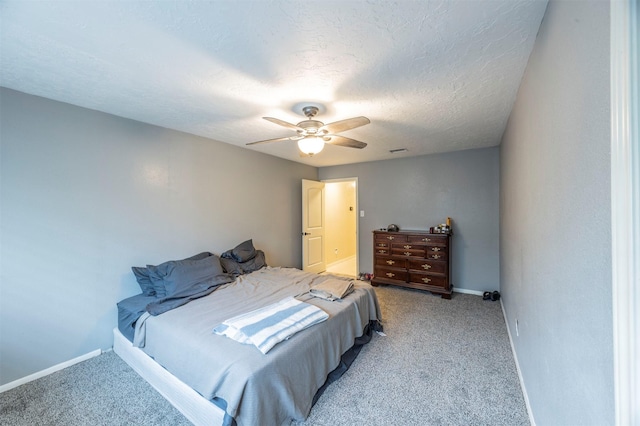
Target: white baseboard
column 515, row 358
column 466, row 291
column 49, row 370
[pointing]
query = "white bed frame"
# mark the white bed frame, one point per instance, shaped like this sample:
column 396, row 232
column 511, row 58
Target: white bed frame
column 190, row 403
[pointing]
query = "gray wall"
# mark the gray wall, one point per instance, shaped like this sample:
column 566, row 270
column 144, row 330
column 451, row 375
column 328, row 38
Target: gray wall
column 86, row 195
column 555, row 261
column 420, row 192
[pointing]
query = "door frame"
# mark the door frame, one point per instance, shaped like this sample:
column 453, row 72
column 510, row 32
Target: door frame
column 357, row 236
column 625, row 207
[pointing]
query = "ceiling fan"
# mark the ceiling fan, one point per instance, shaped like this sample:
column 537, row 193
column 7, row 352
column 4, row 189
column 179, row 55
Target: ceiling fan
column 313, row 134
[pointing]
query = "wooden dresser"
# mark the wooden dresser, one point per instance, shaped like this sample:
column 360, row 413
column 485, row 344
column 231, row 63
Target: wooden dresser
column 415, row 259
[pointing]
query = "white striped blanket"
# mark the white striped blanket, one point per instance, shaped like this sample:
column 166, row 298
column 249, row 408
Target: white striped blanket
column 266, row 327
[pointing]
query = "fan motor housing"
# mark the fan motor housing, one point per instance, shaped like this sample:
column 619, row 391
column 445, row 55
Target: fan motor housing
column 311, row 127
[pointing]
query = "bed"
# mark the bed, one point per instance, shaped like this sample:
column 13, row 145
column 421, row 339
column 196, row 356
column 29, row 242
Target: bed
column 213, row 379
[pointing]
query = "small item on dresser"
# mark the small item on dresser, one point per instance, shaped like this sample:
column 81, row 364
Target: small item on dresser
column 393, row 228
column 443, row 228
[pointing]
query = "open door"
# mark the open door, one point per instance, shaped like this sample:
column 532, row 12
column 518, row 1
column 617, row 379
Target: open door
column 313, row 257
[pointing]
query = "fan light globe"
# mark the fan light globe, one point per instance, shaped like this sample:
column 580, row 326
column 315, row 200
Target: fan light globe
column 311, row 145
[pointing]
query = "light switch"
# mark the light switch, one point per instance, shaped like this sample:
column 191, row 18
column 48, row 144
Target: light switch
column 361, row 213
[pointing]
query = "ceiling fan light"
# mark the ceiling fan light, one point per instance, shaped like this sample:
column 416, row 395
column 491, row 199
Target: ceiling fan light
column 311, row 145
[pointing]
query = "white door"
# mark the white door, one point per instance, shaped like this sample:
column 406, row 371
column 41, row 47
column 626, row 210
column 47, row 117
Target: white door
column 313, row 226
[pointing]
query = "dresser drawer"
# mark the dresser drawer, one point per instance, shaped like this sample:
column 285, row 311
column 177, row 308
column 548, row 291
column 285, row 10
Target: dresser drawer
column 391, row 262
column 391, row 274
column 408, row 246
column 431, row 266
column 438, row 281
column 391, row 237
column 414, row 252
column 442, row 255
column 382, row 244
column 430, row 239
column 435, row 249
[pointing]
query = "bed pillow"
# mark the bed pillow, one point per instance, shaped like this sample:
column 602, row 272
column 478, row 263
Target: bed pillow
column 239, row 268
column 230, row 266
column 254, row 264
column 173, row 277
column 145, row 282
column 243, row 251
column 142, row 276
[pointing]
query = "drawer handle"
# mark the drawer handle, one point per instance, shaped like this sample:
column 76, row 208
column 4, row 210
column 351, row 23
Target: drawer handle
column 436, row 249
column 382, row 251
column 407, row 253
column 407, row 246
column 436, row 256
column 382, row 244
column 390, row 274
column 389, row 237
column 426, row 266
column 390, row 262
column 426, row 240
column 426, row 280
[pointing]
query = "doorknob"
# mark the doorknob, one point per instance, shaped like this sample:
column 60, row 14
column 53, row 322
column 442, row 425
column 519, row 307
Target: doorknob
column 306, row 233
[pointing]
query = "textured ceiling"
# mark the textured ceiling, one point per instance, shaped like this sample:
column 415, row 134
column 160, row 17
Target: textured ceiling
column 432, row 76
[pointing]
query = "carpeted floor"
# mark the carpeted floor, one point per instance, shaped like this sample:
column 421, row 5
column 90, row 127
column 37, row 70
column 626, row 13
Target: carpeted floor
column 443, row 362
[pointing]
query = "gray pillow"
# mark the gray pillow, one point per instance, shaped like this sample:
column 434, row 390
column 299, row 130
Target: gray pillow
column 230, row 266
column 244, row 251
column 145, row 282
column 174, row 276
column 142, row 276
column 239, row 268
column 255, row 263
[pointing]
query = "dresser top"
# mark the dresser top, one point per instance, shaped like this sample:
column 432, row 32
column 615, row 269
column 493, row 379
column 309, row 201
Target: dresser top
column 409, row 231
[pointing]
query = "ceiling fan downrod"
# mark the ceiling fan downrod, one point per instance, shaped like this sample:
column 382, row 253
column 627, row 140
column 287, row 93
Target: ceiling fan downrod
column 310, row 111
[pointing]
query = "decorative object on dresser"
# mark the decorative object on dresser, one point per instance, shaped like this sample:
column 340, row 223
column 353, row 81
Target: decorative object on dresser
column 416, row 259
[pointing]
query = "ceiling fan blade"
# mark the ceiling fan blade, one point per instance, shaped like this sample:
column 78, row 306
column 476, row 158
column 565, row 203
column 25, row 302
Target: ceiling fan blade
column 283, row 123
column 348, row 124
column 290, row 138
column 348, row 142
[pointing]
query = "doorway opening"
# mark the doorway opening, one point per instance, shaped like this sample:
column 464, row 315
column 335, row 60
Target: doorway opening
column 341, row 226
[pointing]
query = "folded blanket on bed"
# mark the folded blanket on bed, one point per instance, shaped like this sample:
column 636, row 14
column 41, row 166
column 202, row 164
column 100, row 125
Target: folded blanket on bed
column 332, row 289
column 266, row 327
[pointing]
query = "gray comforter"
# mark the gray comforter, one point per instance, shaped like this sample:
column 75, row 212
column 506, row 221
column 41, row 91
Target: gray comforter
column 258, row 388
